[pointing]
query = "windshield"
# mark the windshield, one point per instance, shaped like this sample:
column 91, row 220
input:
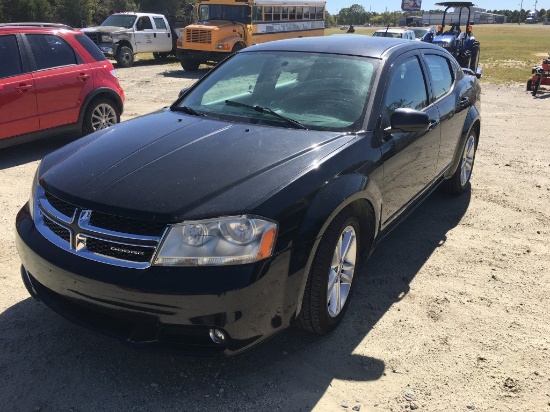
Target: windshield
column 315, row 91
column 120, row 20
column 387, row 34
column 240, row 14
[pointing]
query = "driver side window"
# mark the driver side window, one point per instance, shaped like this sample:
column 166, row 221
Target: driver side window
column 406, row 87
column 144, row 23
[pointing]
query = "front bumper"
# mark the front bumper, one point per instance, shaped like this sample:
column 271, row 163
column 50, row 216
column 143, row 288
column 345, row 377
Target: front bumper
column 108, row 49
column 171, row 308
column 202, row 56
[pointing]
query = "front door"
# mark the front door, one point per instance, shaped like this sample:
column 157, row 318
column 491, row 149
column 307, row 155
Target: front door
column 18, row 112
column 145, row 35
column 411, row 158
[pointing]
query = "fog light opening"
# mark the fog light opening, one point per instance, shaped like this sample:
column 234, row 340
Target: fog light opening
column 217, row 336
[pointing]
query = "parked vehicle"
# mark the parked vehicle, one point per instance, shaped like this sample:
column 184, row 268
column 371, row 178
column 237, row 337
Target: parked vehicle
column 460, row 43
column 54, row 81
column 123, row 35
column 226, row 26
column 38, row 24
column 420, row 32
column 250, row 203
column 539, row 75
column 395, row 33
column 532, row 17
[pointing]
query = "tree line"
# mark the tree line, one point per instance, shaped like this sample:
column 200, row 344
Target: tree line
column 358, row 15
column 82, row 13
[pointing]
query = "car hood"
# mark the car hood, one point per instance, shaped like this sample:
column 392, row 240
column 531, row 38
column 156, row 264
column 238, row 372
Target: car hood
column 444, row 38
column 170, row 167
column 106, row 29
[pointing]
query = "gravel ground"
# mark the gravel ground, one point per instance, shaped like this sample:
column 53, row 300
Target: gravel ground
column 451, row 313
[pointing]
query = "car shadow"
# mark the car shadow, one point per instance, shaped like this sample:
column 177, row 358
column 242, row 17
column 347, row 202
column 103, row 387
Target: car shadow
column 51, row 364
column 32, row 151
column 182, row 74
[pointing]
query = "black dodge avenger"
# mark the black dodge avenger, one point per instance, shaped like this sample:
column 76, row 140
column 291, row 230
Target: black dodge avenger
column 251, row 202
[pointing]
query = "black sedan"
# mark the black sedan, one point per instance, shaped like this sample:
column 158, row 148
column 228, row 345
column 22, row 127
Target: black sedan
column 249, row 204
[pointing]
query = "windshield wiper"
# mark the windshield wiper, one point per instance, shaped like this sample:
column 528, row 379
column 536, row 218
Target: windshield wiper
column 188, row 110
column 260, row 109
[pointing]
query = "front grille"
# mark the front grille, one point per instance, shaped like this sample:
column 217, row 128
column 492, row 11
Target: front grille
column 95, row 37
column 61, row 206
column 57, row 229
column 132, row 253
column 198, row 36
column 126, row 225
column 95, row 235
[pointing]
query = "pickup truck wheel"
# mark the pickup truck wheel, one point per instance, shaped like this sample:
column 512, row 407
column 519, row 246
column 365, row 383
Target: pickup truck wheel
column 460, row 180
column 160, row 56
column 190, row 65
column 124, row 56
column 100, row 114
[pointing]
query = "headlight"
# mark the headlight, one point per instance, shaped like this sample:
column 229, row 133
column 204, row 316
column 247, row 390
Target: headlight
column 232, row 240
column 222, row 46
column 106, row 39
column 33, row 191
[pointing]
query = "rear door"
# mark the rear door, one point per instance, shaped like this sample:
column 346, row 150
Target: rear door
column 62, row 80
column 451, row 100
column 18, row 111
column 161, row 35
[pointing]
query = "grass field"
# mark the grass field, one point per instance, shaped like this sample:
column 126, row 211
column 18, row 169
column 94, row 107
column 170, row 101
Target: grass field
column 508, row 51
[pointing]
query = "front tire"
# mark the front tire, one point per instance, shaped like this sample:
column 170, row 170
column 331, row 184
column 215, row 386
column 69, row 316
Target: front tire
column 460, row 180
column 100, row 114
column 124, row 56
column 330, row 281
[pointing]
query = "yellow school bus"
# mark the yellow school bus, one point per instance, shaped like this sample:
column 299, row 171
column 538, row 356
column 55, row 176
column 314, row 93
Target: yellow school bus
column 225, row 26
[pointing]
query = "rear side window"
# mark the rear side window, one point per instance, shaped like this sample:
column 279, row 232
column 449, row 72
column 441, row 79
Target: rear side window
column 50, row 51
column 159, row 22
column 90, row 47
column 10, row 57
column 406, row 87
column 441, row 72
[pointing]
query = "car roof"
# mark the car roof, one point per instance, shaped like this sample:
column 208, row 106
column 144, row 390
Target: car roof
column 33, row 29
column 346, row 44
column 455, row 4
column 37, row 24
column 131, row 13
column 395, row 30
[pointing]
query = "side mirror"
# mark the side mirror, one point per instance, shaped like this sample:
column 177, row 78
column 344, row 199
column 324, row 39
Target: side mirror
column 183, row 91
column 408, row 120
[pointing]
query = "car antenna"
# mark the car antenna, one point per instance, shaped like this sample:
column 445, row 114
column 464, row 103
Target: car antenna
column 387, row 28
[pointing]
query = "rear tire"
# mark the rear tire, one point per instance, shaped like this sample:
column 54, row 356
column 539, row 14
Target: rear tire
column 100, row 114
column 459, row 182
column 190, row 65
column 529, row 85
column 536, row 85
column 330, row 281
column 124, row 56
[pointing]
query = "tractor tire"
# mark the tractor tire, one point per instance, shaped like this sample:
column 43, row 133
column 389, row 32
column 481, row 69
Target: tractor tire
column 464, row 60
column 529, row 85
column 474, row 57
column 536, row 86
column 190, row 65
column 124, row 56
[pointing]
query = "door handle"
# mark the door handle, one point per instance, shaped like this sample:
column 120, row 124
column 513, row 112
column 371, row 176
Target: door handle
column 83, row 76
column 155, row 35
column 23, row 87
column 434, row 123
column 464, row 101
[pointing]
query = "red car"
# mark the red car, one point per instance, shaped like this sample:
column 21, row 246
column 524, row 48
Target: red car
column 54, row 81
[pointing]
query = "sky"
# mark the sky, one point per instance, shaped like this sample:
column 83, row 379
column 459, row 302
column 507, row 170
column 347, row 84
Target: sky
column 333, row 6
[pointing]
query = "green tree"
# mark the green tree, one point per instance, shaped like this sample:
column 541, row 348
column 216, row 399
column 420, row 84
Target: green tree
column 355, row 14
column 329, row 20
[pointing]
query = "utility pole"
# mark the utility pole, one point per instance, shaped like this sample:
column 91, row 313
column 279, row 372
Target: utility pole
column 520, row 9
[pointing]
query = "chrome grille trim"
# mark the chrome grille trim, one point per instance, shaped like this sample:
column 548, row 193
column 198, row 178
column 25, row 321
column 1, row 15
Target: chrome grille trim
column 51, row 223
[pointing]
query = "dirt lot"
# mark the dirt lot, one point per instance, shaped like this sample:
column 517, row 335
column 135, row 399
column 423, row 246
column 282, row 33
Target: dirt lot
column 451, row 312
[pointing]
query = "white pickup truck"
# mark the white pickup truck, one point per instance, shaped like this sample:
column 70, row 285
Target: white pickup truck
column 123, row 35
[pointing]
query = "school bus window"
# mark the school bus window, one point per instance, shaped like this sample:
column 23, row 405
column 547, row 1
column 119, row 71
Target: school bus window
column 276, row 13
column 284, row 14
column 257, row 13
column 320, row 13
column 292, row 13
column 268, row 13
column 306, row 13
column 299, row 13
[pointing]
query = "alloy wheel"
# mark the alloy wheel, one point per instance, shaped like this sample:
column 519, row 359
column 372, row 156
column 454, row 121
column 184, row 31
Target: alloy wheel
column 103, row 116
column 467, row 160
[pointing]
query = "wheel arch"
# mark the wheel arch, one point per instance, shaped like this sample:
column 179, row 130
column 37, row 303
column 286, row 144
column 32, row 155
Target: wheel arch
column 473, row 122
column 346, row 192
column 103, row 92
column 125, row 43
